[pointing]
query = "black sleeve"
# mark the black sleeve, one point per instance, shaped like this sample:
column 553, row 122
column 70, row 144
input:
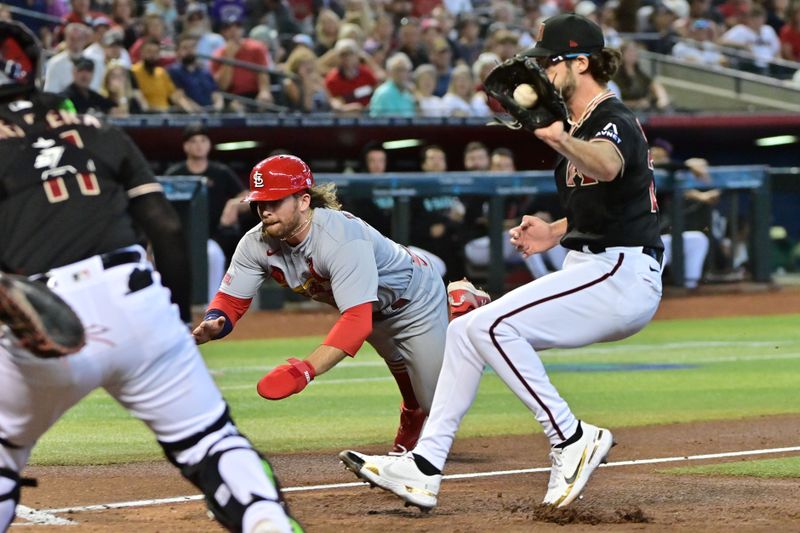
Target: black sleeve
column 160, row 222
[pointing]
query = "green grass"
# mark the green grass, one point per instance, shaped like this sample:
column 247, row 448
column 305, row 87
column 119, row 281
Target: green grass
column 787, row 467
column 734, row 368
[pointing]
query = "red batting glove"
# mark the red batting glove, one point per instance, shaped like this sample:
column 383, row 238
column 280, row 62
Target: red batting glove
column 285, row 380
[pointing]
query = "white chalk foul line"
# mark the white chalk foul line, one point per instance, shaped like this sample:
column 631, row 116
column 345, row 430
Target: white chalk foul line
column 308, row 488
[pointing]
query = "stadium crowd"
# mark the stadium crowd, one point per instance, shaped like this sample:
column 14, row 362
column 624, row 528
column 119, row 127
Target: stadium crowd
column 375, row 57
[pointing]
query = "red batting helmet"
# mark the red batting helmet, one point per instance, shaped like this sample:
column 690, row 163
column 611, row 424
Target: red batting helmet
column 277, row 177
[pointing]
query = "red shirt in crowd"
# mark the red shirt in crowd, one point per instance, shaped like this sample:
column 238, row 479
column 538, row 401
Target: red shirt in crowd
column 245, row 82
column 790, row 35
column 358, row 89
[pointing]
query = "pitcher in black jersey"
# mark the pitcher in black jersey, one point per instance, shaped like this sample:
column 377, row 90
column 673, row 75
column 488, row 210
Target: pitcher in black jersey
column 609, row 287
column 73, row 195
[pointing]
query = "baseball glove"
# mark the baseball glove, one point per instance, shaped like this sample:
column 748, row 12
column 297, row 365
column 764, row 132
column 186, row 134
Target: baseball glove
column 507, row 76
column 38, row 319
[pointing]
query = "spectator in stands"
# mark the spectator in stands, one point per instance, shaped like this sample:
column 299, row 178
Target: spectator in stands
column 480, row 69
column 662, row 20
column 327, row 31
column 166, row 10
column 81, row 13
column 790, row 35
column 436, row 220
column 442, row 59
column 118, row 87
column 394, row 97
column 477, row 249
column 639, row 91
column 777, row 13
column 697, row 213
column 476, row 159
column 604, row 18
column 330, row 59
column 304, row 88
column 429, row 104
column 700, row 10
column 273, row 19
column 58, row 72
column 114, row 48
column 358, row 12
column 431, row 31
column 755, row 37
column 197, row 24
column 374, row 210
column 502, row 160
column 80, row 93
column 156, row 84
column 155, row 28
column 469, row 44
column 399, row 9
column 223, row 10
column 409, row 41
column 505, row 44
column 734, row 12
column 96, row 51
column 238, row 80
column 124, row 16
column 225, row 191
column 196, row 83
column 351, row 84
column 700, row 46
column 461, row 99
column 380, row 41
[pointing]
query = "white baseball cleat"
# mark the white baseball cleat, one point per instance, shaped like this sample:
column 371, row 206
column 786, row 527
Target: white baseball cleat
column 463, row 297
column 397, row 474
column 574, row 464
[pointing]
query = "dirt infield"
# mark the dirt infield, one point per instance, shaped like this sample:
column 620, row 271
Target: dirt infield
column 619, row 498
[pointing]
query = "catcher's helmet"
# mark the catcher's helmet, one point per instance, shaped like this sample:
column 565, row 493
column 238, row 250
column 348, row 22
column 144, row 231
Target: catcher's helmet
column 277, row 177
column 20, row 61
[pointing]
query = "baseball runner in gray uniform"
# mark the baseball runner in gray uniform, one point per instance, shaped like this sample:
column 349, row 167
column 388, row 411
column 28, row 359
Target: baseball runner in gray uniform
column 387, row 295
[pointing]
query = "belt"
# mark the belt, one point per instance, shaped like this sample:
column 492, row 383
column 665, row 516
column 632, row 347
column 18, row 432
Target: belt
column 109, row 260
column 655, row 253
column 112, row 259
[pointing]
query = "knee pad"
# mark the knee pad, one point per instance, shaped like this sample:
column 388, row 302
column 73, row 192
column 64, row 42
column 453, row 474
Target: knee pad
column 232, row 474
column 10, row 485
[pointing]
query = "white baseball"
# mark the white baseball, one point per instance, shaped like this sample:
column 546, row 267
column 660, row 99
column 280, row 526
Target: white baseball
column 525, row 95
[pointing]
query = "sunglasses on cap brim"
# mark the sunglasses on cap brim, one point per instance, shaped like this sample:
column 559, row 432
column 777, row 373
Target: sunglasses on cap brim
column 549, row 61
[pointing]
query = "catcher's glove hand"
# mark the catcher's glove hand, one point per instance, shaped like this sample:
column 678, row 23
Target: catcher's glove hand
column 37, row 318
column 507, row 76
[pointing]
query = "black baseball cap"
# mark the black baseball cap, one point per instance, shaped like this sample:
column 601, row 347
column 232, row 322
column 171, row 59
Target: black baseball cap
column 83, row 63
column 566, row 33
column 195, row 128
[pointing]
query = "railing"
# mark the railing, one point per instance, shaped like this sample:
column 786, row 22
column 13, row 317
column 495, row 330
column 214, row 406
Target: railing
column 189, row 196
column 498, row 186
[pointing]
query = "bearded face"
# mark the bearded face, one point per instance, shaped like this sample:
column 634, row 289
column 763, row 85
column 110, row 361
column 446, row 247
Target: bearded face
column 281, row 219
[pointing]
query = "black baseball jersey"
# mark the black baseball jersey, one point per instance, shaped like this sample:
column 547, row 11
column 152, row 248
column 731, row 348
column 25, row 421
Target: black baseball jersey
column 65, row 184
column 622, row 212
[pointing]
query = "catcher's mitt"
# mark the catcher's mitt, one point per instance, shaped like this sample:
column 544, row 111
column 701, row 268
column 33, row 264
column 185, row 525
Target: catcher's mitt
column 38, row 319
column 507, row 76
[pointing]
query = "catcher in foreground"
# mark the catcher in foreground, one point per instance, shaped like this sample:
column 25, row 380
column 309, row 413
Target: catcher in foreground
column 608, row 289
column 74, row 195
column 38, row 319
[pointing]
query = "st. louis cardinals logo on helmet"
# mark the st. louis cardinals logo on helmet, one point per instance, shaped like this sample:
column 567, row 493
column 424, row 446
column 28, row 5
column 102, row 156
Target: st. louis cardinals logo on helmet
column 277, row 177
column 258, row 181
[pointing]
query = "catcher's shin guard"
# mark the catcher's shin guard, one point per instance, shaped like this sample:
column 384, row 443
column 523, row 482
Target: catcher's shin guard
column 10, row 484
column 240, row 488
